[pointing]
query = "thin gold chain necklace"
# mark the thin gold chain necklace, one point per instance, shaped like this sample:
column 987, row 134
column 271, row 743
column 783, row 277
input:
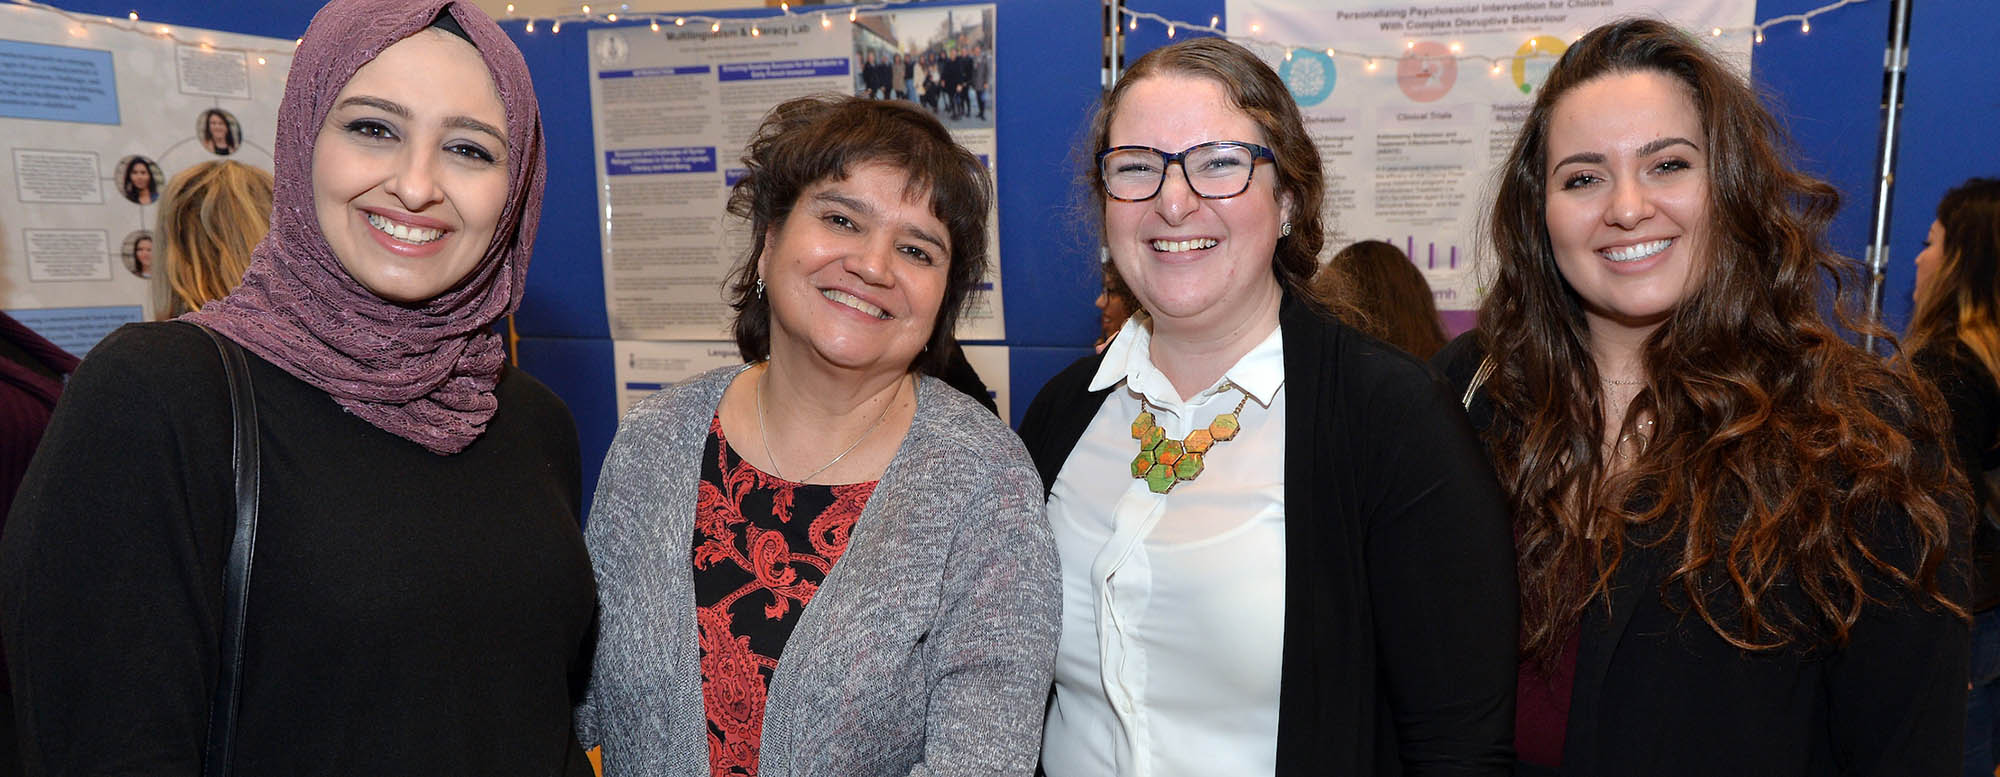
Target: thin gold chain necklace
column 765, row 438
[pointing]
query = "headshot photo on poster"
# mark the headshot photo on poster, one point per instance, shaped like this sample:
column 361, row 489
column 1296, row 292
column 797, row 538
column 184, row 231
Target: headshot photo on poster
column 218, row 132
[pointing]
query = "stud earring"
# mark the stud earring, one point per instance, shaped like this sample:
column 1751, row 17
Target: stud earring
column 1286, row 230
column 760, row 287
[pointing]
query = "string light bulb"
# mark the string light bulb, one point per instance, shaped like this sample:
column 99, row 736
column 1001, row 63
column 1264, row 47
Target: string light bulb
column 557, row 28
column 531, row 26
column 825, row 23
column 853, row 13
column 1371, row 65
column 510, row 9
column 1288, row 55
column 1805, row 26
column 1457, row 47
column 785, row 8
column 1759, row 37
column 716, row 27
column 586, row 10
column 1715, row 32
column 754, row 32
column 260, row 60
column 656, row 25
column 680, row 21
column 134, row 16
column 1329, row 53
column 1134, row 25
column 611, row 17
column 1215, row 21
column 1256, row 28
column 1170, row 31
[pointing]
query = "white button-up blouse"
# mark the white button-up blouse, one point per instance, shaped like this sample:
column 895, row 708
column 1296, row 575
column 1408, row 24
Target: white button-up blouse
column 1173, row 604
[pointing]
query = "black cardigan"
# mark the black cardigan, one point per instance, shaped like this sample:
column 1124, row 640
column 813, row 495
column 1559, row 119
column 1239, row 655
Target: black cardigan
column 1658, row 692
column 1400, row 611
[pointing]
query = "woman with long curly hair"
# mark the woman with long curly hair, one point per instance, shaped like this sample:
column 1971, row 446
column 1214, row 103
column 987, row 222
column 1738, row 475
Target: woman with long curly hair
column 1954, row 340
column 1733, row 526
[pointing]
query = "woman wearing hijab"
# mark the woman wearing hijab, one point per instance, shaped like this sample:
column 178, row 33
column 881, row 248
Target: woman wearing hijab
column 850, row 576
column 420, row 595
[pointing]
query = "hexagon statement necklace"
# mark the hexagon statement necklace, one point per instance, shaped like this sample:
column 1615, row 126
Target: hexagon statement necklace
column 765, row 437
column 1165, row 463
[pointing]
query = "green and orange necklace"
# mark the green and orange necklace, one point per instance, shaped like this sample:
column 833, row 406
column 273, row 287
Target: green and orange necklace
column 1165, row 463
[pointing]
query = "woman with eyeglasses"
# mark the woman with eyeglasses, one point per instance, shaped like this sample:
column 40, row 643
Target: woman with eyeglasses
column 1283, row 551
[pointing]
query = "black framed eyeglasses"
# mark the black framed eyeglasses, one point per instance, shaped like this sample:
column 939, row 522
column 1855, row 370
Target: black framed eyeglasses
column 1216, row 170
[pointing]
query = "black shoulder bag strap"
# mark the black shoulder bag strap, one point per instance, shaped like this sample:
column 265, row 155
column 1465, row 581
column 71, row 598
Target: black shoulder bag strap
column 221, row 742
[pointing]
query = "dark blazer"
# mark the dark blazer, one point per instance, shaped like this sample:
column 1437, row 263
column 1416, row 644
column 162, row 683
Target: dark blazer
column 1399, row 592
column 1658, row 692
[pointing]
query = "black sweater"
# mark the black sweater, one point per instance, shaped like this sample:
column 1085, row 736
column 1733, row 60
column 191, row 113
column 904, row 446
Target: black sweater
column 1399, row 585
column 409, row 613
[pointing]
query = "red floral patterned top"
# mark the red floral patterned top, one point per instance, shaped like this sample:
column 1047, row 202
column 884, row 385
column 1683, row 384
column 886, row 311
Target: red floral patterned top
column 762, row 546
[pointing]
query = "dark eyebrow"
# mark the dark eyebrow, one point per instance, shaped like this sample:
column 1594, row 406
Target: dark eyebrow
column 475, row 125
column 1586, row 157
column 1663, row 143
column 391, row 107
column 864, row 209
column 376, row 103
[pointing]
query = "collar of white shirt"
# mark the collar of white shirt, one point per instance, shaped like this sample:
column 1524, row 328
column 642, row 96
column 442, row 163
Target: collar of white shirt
column 1128, row 358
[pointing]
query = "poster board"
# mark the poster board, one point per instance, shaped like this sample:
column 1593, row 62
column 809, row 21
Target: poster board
column 673, row 108
column 97, row 115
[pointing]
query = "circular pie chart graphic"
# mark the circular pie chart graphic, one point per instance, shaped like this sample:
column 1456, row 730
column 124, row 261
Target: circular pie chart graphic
column 1427, row 71
column 1533, row 60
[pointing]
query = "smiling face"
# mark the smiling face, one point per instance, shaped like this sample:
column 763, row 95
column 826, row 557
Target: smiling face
column 856, row 273
column 1627, row 202
column 410, row 168
column 1193, row 263
column 218, row 130
column 140, row 174
column 1930, row 259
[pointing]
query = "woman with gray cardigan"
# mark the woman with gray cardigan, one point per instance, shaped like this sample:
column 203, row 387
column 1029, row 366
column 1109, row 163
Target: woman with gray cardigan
column 826, row 562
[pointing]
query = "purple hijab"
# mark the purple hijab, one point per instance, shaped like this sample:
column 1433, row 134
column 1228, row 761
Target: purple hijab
column 425, row 372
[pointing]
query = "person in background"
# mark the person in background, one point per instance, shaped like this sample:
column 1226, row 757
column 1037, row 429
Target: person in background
column 826, row 562
column 212, row 217
column 421, row 599
column 32, row 371
column 1394, row 299
column 1283, row 552
column 1954, row 340
column 1735, row 528
column 138, row 184
column 1115, row 304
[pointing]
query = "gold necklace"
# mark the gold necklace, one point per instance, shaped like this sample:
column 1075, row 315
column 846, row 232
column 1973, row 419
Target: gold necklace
column 1165, row 463
column 766, row 438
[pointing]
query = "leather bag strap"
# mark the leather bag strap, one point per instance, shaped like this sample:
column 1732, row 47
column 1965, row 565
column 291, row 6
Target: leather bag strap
column 221, row 739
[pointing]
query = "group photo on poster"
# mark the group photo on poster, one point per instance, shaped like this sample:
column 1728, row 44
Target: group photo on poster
column 941, row 59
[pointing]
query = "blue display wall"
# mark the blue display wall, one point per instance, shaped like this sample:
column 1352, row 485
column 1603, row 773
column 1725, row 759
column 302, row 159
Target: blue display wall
column 1827, row 83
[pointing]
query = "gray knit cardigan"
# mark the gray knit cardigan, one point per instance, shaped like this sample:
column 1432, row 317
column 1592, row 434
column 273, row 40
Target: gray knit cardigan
column 928, row 649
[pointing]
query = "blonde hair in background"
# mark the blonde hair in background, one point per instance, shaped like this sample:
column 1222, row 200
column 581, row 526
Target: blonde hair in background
column 211, row 217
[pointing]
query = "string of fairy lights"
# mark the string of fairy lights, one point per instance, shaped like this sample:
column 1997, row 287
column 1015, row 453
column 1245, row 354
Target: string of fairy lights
column 81, row 25
column 1371, row 59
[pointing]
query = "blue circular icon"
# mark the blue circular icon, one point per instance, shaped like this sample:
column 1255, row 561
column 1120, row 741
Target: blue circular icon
column 1309, row 74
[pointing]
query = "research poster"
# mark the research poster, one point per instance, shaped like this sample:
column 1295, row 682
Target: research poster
column 672, row 110
column 97, row 115
column 1410, row 129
